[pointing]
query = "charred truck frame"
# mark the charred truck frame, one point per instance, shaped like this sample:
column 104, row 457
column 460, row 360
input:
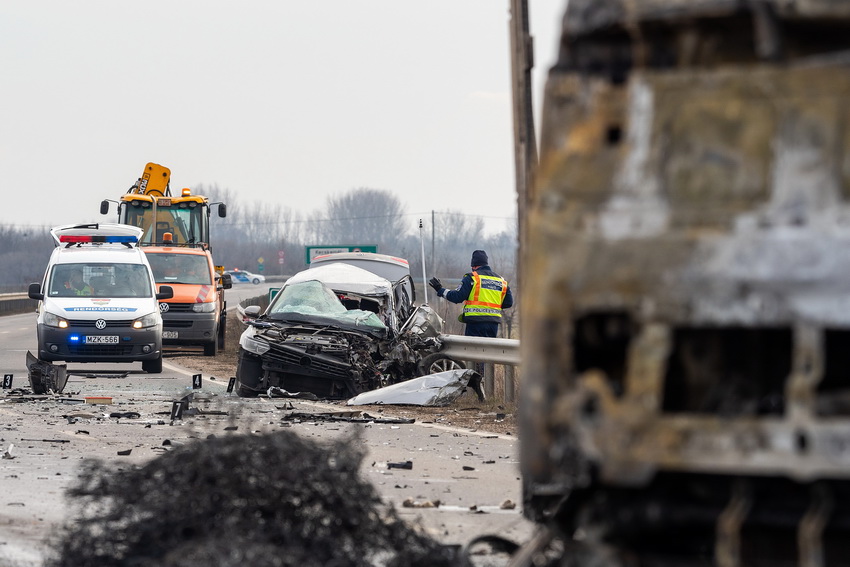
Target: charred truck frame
column 686, row 361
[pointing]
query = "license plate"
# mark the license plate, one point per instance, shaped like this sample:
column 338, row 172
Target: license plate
column 169, row 334
column 101, row 339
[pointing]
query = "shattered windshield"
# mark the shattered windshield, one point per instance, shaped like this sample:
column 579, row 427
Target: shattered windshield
column 312, row 299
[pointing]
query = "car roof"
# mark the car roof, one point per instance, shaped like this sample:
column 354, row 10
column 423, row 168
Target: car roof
column 392, row 268
column 345, row 277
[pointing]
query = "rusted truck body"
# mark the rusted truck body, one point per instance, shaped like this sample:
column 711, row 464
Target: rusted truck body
column 686, row 283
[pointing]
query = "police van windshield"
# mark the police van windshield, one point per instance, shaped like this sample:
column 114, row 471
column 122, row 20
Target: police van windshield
column 180, row 268
column 100, row 280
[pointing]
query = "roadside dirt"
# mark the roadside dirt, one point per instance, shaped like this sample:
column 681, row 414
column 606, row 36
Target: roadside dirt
column 466, row 412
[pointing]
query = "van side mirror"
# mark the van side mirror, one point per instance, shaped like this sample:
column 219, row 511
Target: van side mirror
column 165, row 292
column 252, row 311
column 222, row 210
column 34, row 291
column 104, row 207
column 226, row 281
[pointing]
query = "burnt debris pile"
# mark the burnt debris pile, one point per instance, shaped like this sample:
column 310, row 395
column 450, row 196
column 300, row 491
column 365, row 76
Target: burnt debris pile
column 265, row 501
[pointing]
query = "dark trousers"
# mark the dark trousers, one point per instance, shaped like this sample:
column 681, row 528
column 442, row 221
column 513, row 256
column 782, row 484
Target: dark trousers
column 481, row 330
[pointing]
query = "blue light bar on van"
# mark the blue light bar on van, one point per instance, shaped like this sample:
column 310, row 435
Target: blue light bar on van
column 97, row 238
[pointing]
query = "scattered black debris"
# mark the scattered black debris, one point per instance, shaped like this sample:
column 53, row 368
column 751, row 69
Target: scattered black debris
column 49, row 440
column 125, row 452
column 236, row 501
column 127, row 414
column 468, row 468
column 402, row 465
column 81, row 432
column 100, row 374
column 46, row 377
column 348, row 416
column 231, row 428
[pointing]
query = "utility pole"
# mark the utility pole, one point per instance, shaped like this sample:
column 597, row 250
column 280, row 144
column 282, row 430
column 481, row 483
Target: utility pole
column 525, row 141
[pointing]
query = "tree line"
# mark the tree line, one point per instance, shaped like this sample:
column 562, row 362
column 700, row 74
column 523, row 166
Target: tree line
column 361, row 216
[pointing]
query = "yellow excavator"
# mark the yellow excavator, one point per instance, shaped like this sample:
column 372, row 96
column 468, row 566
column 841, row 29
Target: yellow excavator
column 149, row 205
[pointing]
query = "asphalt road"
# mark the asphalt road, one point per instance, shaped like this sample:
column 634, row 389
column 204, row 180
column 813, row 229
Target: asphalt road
column 474, row 477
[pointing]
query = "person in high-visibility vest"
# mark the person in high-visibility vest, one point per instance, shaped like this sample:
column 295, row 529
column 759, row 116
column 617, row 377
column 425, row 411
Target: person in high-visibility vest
column 484, row 294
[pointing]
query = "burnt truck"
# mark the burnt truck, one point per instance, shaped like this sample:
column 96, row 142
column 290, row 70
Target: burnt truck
column 686, row 354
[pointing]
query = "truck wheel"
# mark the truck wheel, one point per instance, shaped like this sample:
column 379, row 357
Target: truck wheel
column 152, row 366
column 437, row 362
column 222, row 328
column 210, row 347
column 249, row 375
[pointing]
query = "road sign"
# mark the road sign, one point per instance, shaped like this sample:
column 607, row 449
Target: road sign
column 313, row 251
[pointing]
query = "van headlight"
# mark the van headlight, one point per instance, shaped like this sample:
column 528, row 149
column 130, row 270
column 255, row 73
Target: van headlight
column 149, row 320
column 254, row 346
column 204, row 307
column 53, row 320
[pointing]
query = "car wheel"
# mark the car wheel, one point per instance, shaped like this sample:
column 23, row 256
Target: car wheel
column 256, row 281
column 152, row 366
column 437, row 362
column 210, row 347
column 249, row 375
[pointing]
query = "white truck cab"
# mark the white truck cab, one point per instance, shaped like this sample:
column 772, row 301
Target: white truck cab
column 98, row 300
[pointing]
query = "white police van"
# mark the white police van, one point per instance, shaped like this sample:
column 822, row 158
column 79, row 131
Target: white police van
column 98, row 300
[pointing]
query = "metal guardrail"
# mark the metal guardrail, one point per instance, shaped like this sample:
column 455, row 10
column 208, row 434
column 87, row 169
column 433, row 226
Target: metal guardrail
column 489, row 353
column 13, row 303
column 481, row 349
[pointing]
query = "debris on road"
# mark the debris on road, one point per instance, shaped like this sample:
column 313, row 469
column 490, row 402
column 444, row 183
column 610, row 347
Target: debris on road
column 439, row 389
column 46, row 377
column 8, row 453
column 98, row 400
column 348, row 416
column 276, row 392
column 408, row 465
column 411, row 503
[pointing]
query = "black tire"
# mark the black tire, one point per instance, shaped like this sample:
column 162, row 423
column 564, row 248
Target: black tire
column 153, row 366
column 256, row 281
column 222, row 329
column 210, row 347
column 437, row 362
column 249, row 375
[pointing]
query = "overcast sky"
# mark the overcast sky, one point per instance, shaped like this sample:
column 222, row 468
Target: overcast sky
column 273, row 99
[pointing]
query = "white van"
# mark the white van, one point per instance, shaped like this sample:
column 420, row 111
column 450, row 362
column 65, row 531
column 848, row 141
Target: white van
column 98, row 300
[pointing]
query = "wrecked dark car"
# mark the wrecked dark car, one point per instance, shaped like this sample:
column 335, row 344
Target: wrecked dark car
column 337, row 330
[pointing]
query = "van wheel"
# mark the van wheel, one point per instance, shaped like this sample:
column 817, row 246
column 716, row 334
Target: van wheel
column 210, row 348
column 152, row 366
column 222, row 327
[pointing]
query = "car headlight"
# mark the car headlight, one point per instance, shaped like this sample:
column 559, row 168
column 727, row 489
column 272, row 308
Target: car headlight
column 149, row 320
column 204, row 307
column 252, row 345
column 53, row 320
